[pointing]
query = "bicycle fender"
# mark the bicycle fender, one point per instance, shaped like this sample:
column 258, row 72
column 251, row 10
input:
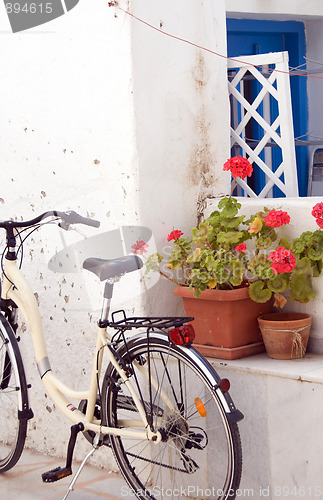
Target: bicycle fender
column 24, row 410
column 233, row 414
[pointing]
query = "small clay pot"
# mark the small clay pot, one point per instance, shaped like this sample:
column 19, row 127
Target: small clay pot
column 285, row 334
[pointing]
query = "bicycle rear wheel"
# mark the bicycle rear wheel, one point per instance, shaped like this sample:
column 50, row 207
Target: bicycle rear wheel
column 13, row 399
column 200, row 453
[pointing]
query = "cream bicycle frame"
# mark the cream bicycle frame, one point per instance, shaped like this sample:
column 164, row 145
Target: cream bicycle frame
column 16, row 287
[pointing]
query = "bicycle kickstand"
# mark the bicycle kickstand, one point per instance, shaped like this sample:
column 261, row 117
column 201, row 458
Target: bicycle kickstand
column 95, row 446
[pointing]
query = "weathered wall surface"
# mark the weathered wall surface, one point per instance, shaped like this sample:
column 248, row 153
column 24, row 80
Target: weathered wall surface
column 103, row 115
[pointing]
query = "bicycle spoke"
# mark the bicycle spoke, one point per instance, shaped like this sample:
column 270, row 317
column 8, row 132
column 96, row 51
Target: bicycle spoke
column 197, row 447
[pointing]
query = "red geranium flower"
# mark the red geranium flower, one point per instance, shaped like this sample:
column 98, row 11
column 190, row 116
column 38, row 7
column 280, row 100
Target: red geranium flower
column 239, row 167
column 282, row 260
column 319, row 222
column 317, row 211
column 277, row 218
column 241, row 248
column 139, row 247
column 174, row 235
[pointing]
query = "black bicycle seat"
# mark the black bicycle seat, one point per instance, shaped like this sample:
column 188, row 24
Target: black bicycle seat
column 112, row 268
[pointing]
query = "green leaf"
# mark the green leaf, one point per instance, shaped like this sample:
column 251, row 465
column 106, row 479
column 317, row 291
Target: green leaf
column 195, row 256
column 283, row 242
column 263, row 242
column 315, row 253
column 214, row 219
column 230, row 237
column 302, row 265
column 232, row 222
column 279, row 283
column 152, row 263
column 229, row 207
column 260, row 267
column 301, row 288
column 202, row 232
column 317, row 266
column 174, row 264
column 297, row 246
column 210, row 263
column 307, row 237
column 258, row 293
column 221, row 275
column 237, row 272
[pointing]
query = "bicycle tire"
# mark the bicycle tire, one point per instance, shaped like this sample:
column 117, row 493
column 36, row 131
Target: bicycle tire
column 199, row 456
column 14, row 406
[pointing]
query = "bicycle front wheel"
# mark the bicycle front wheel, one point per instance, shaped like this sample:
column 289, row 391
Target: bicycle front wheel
column 200, row 453
column 13, row 399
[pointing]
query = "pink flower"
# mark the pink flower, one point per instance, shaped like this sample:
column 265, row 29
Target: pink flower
column 139, row 247
column 239, row 167
column 174, row 235
column 277, row 218
column 282, row 260
column 317, row 211
column 241, row 248
column 319, row 222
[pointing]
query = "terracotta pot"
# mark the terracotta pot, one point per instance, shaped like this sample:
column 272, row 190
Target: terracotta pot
column 225, row 321
column 285, row 334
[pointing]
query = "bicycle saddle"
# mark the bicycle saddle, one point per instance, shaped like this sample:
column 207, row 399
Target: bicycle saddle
column 112, row 268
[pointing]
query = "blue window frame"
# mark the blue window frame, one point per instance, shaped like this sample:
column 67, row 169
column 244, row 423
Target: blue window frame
column 247, row 37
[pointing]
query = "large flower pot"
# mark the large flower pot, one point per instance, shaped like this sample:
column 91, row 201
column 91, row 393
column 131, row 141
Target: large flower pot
column 225, row 322
column 285, row 334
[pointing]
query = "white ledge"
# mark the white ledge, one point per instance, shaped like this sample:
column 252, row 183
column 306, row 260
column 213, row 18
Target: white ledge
column 307, row 369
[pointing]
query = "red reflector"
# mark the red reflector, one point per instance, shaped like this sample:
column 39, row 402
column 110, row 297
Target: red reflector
column 182, row 335
column 224, row 385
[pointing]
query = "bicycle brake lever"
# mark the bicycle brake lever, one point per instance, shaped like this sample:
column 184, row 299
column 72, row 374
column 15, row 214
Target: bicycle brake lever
column 64, row 225
column 71, row 217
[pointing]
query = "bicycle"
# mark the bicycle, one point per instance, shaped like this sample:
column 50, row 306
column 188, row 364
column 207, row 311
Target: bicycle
column 161, row 407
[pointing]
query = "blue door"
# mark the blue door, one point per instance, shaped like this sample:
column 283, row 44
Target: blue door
column 247, row 37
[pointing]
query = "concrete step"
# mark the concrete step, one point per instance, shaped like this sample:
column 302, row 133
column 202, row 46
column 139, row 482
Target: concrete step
column 281, row 434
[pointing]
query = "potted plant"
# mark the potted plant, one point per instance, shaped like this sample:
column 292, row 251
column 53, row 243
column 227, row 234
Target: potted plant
column 231, row 259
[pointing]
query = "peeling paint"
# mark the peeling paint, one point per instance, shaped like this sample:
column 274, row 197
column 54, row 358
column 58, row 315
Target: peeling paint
column 199, row 72
column 201, row 164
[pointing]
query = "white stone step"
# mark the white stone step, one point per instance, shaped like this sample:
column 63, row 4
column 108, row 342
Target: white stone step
column 282, row 437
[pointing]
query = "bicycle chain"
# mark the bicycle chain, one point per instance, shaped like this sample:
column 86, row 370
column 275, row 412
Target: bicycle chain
column 157, row 463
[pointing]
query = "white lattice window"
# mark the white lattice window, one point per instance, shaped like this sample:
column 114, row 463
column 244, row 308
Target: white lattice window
column 269, row 109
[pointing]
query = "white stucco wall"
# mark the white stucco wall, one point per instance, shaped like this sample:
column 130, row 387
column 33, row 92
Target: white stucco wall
column 103, row 115
column 275, row 8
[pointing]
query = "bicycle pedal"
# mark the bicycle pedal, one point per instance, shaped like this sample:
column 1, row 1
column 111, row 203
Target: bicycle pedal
column 55, row 474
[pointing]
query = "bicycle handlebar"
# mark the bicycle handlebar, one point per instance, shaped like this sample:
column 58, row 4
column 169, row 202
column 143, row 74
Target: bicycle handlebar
column 74, row 218
column 68, row 218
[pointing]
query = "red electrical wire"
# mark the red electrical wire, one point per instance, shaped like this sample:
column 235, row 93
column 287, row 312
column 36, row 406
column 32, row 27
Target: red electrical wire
column 291, row 73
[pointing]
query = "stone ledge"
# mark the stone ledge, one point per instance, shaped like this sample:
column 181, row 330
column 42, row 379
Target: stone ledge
column 282, row 404
column 307, row 369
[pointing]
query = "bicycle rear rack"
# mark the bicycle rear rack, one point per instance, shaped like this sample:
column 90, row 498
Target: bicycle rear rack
column 149, row 322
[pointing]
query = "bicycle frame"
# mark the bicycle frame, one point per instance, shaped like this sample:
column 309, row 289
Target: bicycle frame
column 16, row 287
